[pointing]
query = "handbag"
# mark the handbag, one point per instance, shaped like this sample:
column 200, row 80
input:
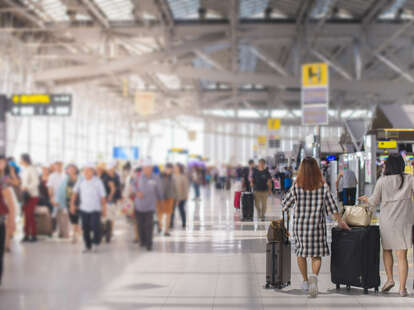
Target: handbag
column 277, row 231
column 360, row 215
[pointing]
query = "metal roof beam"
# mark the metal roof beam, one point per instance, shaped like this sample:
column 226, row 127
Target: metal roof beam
column 333, row 64
column 96, row 13
column 266, row 58
column 125, row 64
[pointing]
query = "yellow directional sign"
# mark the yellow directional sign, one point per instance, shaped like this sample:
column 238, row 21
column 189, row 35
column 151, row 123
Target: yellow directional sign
column 387, row 144
column 261, row 140
column 273, row 123
column 315, row 75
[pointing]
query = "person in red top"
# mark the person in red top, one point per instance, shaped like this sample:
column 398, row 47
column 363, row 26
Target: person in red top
column 6, row 200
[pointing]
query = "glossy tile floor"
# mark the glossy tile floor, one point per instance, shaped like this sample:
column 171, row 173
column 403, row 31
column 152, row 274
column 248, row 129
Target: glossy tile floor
column 217, row 263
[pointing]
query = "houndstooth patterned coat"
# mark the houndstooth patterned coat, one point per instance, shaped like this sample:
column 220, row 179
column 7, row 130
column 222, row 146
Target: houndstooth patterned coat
column 309, row 219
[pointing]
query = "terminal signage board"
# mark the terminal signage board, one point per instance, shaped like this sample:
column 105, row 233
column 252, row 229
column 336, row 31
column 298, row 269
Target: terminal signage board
column 125, row 153
column 41, row 105
column 315, row 94
column 392, row 144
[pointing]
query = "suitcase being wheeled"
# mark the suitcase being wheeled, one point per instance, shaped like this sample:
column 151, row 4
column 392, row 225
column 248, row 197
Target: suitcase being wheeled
column 247, row 203
column 278, row 263
column 43, row 221
column 355, row 257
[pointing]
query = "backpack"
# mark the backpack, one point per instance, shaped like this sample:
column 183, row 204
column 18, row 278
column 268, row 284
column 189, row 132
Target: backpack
column 277, row 232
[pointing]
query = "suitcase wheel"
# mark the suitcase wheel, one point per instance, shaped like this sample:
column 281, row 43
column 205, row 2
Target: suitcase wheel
column 279, row 286
column 376, row 290
column 348, row 287
column 365, row 291
column 338, row 286
column 267, row 286
column 288, row 283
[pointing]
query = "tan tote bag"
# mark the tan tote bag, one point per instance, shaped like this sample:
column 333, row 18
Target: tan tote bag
column 360, row 215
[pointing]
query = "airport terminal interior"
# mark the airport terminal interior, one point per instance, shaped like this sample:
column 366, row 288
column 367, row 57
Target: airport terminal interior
column 206, row 154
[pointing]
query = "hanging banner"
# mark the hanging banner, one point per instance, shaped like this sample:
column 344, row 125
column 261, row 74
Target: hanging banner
column 192, row 135
column 315, row 94
column 145, row 103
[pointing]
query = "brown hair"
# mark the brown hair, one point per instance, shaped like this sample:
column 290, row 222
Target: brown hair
column 309, row 175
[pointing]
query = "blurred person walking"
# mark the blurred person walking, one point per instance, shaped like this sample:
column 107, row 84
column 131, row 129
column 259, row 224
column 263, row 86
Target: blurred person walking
column 349, row 184
column 182, row 188
column 147, row 191
column 394, row 192
column 30, row 193
column 64, row 196
column 7, row 203
column 10, row 199
column 262, row 187
column 112, row 184
column 166, row 205
column 312, row 201
column 247, row 176
column 196, row 180
column 59, row 213
column 91, row 192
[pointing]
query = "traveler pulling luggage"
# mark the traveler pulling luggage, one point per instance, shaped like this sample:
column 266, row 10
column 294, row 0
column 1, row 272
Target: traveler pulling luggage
column 278, row 255
column 247, row 204
column 355, row 257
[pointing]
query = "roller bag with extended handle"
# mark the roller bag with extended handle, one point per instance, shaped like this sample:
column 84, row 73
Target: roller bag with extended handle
column 247, row 204
column 278, row 255
column 355, row 257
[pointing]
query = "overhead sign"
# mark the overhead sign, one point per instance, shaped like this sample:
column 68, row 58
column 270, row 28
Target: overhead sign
column 261, row 140
column 192, row 135
column 145, row 103
column 178, row 150
column 315, row 75
column 392, row 144
column 125, row 153
column 273, row 123
column 41, row 105
column 315, row 94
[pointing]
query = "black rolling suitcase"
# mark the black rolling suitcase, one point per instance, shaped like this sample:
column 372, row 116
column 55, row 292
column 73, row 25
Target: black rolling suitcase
column 355, row 257
column 278, row 263
column 247, row 204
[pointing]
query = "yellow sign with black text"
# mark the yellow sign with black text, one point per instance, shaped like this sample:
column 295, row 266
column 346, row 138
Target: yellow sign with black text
column 315, row 75
column 261, row 140
column 387, row 144
column 273, row 123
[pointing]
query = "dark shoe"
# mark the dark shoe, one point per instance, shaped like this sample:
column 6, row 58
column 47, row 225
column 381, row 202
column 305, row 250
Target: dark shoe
column 25, row 239
column 167, row 234
column 33, row 239
column 149, row 248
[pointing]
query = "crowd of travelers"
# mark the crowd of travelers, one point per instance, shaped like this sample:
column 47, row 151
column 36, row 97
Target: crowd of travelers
column 54, row 199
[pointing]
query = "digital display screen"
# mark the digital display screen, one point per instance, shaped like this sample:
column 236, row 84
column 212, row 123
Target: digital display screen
column 41, row 105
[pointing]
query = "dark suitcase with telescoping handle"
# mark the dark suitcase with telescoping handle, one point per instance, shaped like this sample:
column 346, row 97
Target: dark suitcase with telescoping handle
column 355, row 257
column 247, row 204
column 278, row 256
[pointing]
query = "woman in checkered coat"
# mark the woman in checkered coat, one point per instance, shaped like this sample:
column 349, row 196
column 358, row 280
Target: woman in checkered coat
column 312, row 201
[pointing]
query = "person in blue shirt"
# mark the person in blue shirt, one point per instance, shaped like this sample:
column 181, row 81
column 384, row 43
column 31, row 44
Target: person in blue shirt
column 91, row 192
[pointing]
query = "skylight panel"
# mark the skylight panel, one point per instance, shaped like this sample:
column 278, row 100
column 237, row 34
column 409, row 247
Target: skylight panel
column 184, row 9
column 393, row 10
column 47, row 9
column 116, row 9
column 253, row 8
